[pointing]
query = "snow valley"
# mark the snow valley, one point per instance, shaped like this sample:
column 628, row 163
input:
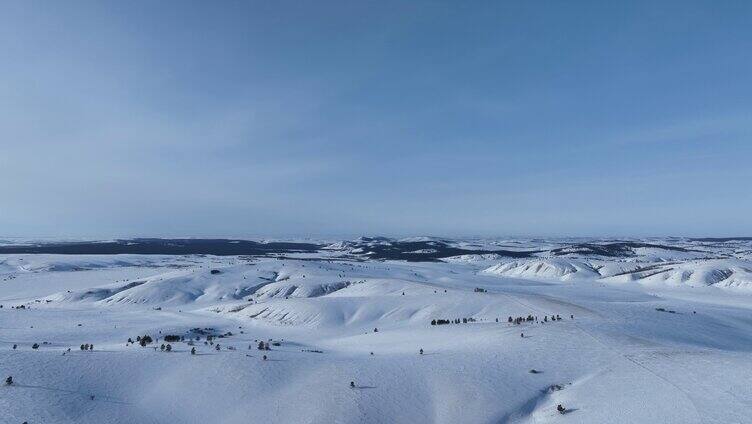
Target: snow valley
column 375, row 330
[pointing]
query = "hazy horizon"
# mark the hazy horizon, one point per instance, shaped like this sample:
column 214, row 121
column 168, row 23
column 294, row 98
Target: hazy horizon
column 343, row 237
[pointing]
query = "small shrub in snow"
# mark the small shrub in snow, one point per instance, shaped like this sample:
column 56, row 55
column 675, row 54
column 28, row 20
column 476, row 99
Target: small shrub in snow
column 553, row 388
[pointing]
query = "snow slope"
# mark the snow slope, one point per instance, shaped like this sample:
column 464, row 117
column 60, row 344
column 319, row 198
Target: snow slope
column 641, row 339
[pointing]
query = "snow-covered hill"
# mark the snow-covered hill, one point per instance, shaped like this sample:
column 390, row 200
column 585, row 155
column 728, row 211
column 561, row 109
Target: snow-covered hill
column 719, row 273
column 553, row 269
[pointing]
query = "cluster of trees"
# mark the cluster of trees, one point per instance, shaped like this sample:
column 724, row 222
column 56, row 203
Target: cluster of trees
column 529, row 318
column 520, row 320
column 143, row 340
column 452, row 321
column 511, row 320
column 167, row 347
column 172, row 338
column 204, row 331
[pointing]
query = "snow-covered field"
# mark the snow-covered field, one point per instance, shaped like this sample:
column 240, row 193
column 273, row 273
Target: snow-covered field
column 651, row 331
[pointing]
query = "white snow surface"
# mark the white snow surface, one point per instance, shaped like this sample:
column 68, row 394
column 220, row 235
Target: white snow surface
column 659, row 337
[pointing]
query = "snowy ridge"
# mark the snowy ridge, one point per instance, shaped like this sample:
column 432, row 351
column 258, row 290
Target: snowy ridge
column 723, row 273
column 556, row 269
column 719, row 273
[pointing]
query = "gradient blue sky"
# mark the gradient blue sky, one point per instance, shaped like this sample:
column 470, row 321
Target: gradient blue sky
column 311, row 118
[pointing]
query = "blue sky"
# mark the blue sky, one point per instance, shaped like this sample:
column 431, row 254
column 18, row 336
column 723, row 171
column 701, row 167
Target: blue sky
column 306, row 118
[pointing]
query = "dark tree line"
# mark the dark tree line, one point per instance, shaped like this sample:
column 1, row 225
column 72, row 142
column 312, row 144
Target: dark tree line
column 452, row 321
column 510, row 320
